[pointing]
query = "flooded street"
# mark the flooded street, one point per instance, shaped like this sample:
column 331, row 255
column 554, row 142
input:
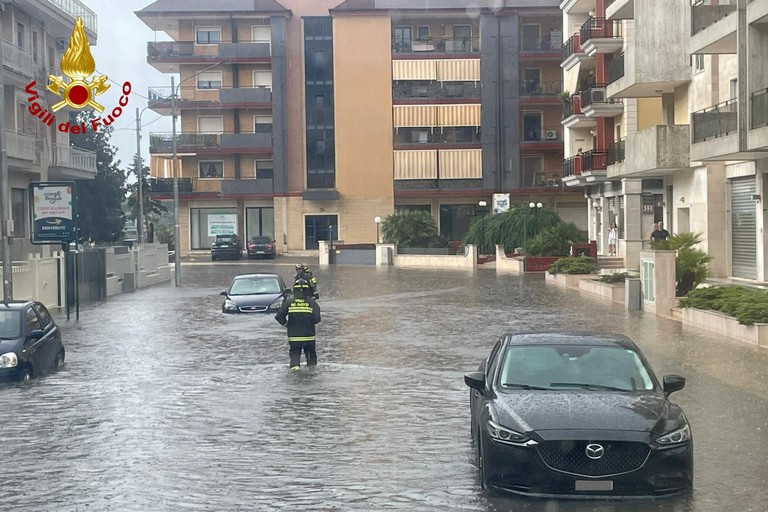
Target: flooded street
column 166, row 404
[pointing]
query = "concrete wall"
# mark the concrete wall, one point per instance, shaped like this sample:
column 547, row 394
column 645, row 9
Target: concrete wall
column 37, row 279
column 463, row 261
column 662, row 30
column 513, row 265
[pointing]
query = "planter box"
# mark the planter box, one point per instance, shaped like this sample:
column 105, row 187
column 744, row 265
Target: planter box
column 611, row 292
column 727, row 326
column 567, row 280
column 513, row 264
column 540, row 263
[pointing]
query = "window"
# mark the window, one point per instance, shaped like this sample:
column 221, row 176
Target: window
column 19, row 212
column 698, row 62
column 20, row 35
column 208, row 35
column 265, row 170
column 320, row 147
column 51, row 59
column 33, row 323
column 462, row 38
column 209, row 80
column 454, row 90
column 402, row 39
column 45, row 318
column 422, row 32
column 210, row 169
column 262, row 79
column 734, row 88
column 34, row 46
column 262, row 124
column 210, row 124
column 261, row 34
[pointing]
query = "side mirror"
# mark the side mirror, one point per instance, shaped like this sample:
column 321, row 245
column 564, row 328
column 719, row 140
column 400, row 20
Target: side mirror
column 36, row 334
column 673, row 383
column 224, row 293
column 475, row 380
column 287, row 291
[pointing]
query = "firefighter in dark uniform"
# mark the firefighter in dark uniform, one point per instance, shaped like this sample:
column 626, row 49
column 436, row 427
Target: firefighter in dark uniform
column 303, row 272
column 300, row 314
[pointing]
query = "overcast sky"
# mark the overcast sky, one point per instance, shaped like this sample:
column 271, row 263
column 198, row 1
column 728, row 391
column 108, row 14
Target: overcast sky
column 121, row 54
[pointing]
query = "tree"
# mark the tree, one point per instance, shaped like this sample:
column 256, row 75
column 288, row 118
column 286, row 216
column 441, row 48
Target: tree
column 100, row 214
column 152, row 207
column 411, row 228
column 510, row 228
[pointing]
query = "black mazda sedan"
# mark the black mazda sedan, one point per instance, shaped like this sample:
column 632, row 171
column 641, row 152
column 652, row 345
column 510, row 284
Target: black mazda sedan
column 255, row 293
column 30, row 341
column 577, row 415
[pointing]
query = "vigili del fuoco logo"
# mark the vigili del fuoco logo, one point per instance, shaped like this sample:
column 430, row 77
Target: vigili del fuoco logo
column 80, row 91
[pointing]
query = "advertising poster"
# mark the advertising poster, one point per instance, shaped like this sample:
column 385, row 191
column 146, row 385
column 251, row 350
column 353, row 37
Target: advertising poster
column 52, row 212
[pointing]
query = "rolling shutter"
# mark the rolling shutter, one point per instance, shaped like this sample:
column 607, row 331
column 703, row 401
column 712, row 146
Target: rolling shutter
column 743, row 228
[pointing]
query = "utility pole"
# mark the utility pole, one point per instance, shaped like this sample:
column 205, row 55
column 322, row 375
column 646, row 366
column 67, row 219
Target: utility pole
column 6, row 224
column 177, row 233
column 140, row 175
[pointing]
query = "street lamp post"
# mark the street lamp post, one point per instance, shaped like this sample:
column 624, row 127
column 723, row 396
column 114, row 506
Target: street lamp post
column 482, row 205
column 377, row 220
column 536, row 207
column 140, row 173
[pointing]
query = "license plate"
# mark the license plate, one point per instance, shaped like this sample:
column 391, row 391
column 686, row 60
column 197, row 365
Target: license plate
column 224, row 245
column 259, row 252
column 594, row 485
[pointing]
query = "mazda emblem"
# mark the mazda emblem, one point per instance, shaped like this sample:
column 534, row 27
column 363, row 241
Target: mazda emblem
column 594, row 451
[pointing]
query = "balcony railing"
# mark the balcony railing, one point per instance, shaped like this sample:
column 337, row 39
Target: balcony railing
column 572, row 106
column 74, row 8
column 163, row 142
column 616, row 151
column 18, row 60
column 21, row 146
column 541, row 88
column 572, row 166
column 542, row 134
column 616, row 69
column 194, row 95
column 596, row 95
column 165, row 185
column 716, row 121
column 600, row 28
column 436, row 44
column 759, row 105
column 704, row 13
column 408, row 90
column 189, row 50
column 542, row 44
column 73, row 158
column 594, row 160
column 416, row 138
column 571, row 46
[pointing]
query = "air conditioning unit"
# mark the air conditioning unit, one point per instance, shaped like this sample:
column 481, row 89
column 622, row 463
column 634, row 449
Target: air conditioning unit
column 597, row 96
column 551, row 134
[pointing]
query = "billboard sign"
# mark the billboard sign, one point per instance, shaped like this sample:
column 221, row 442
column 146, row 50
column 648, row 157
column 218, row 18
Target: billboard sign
column 222, row 224
column 52, row 212
column 500, row 203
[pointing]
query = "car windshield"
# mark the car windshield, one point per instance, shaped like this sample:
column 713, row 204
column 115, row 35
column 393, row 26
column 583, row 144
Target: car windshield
column 10, row 324
column 599, row 368
column 226, row 239
column 253, row 286
column 261, row 240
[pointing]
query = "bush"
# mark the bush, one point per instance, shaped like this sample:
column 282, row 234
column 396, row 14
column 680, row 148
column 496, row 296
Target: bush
column 690, row 263
column 747, row 305
column 573, row 265
column 411, row 228
column 616, row 277
column 555, row 241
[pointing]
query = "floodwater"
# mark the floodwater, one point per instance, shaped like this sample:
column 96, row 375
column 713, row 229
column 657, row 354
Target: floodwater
column 166, row 404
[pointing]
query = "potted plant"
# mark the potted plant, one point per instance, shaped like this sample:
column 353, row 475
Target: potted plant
column 569, row 271
column 550, row 245
column 690, row 262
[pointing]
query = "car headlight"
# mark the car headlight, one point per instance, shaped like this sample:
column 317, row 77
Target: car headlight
column 276, row 304
column 8, row 360
column 230, row 306
column 678, row 436
column 506, row 435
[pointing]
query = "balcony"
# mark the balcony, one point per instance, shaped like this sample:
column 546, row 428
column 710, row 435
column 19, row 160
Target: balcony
column 536, row 91
column 165, row 185
column 595, row 103
column 620, row 9
column 577, row 6
column 715, row 132
column 430, row 47
column 21, row 146
column 713, row 27
column 542, row 48
column 214, row 98
column 443, row 164
column 247, row 187
column 573, row 117
column 757, row 12
column 655, row 151
column 589, row 167
column 408, row 91
column 223, row 143
column 644, row 72
column 71, row 163
column 541, row 137
column 75, row 9
column 18, row 60
column 572, row 53
column 166, row 56
column 446, row 137
column 599, row 35
column 757, row 138
column 616, row 151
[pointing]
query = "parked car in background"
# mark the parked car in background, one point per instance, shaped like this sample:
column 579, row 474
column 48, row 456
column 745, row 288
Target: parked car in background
column 254, row 293
column 262, row 246
column 577, row 415
column 226, row 246
column 30, row 341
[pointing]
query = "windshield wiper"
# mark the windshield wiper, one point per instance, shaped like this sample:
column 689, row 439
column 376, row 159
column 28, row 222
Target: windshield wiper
column 586, row 386
column 524, row 386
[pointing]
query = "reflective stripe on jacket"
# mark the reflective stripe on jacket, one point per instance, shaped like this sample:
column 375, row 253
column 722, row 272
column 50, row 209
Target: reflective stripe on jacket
column 300, row 315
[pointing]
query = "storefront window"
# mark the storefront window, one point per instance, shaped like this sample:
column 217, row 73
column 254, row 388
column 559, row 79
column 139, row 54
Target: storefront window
column 206, row 223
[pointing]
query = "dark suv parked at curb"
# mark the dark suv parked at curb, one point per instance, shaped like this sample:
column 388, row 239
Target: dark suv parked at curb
column 224, row 246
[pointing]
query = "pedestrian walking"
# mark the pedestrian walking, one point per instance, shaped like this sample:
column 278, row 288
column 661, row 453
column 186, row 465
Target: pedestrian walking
column 303, row 272
column 300, row 314
column 659, row 233
column 613, row 233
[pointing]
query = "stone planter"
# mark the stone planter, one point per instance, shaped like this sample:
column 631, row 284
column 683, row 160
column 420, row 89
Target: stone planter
column 509, row 262
column 567, row 280
column 726, row 326
column 610, row 292
column 540, row 263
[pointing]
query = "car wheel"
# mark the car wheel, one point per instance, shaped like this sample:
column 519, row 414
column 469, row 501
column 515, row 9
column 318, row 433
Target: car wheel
column 239, row 255
column 481, row 465
column 26, row 374
column 57, row 364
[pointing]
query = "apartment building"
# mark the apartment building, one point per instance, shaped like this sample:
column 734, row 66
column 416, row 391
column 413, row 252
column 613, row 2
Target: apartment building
column 654, row 109
column 35, row 33
column 304, row 120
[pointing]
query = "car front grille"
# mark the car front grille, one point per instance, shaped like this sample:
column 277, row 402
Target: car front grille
column 571, row 457
column 252, row 309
